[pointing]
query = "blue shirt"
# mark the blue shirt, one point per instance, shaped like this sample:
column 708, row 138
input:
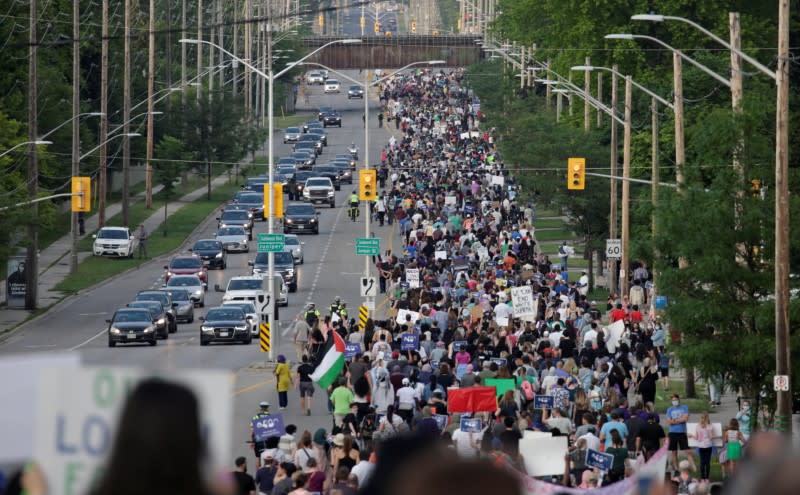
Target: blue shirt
column 614, row 425
column 675, row 412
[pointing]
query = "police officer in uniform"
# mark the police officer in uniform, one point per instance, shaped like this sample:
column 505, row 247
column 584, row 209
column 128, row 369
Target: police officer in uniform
column 259, row 447
column 311, row 315
column 338, row 308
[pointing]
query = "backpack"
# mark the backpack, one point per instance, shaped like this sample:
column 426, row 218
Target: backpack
column 527, row 389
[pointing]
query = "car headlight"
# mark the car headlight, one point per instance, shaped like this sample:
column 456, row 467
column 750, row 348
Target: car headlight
column 169, row 274
column 223, row 225
column 149, row 329
column 161, row 321
column 313, row 220
column 199, row 274
column 330, row 193
column 241, row 328
column 290, row 272
column 207, row 329
column 115, row 331
column 219, row 255
column 249, row 215
column 289, row 220
column 306, row 193
column 249, row 318
column 198, row 292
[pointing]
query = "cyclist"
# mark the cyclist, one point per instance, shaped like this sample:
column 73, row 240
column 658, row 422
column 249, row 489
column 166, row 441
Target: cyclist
column 259, row 446
column 353, row 200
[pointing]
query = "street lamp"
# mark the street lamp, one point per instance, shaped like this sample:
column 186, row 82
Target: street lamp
column 25, row 143
column 270, row 77
column 59, row 126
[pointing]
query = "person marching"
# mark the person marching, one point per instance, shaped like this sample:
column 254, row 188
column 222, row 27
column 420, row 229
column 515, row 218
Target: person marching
column 259, row 446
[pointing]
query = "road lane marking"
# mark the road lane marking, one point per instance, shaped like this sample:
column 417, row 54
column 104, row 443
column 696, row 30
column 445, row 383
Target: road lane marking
column 252, row 387
column 103, row 331
column 324, row 255
column 93, row 314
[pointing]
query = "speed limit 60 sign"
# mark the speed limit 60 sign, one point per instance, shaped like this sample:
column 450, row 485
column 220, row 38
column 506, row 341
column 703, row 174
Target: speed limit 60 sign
column 613, row 248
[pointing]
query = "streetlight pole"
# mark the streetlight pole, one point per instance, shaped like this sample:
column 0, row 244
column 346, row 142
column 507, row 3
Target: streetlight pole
column 76, row 73
column 626, row 189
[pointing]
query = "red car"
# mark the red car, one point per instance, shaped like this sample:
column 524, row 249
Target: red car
column 186, row 265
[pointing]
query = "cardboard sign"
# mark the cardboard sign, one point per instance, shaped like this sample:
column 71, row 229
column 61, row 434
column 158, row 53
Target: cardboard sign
column 599, row 460
column 401, row 317
column 412, row 277
column 716, row 440
column 440, row 255
column 351, row 350
column 500, row 362
column 441, row 421
column 543, row 456
column 543, row 402
column 460, row 344
column 77, row 414
column 409, row 342
column 524, row 303
column 471, row 425
column 269, row 426
column 482, row 252
column 450, row 200
column 615, row 331
column 498, row 180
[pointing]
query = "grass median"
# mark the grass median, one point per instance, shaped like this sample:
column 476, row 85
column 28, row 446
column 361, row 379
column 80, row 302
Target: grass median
column 179, row 225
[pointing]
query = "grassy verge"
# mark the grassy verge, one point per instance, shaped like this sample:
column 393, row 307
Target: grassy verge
column 696, row 406
column 549, row 223
column 554, row 235
column 546, row 213
column 281, row 123
column 94, row 270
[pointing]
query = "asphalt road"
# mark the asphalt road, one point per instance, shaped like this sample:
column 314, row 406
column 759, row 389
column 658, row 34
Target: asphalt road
column 331, row 269
column 352, row 15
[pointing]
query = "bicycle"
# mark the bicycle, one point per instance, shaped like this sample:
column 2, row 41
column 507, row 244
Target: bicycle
column 353, row 212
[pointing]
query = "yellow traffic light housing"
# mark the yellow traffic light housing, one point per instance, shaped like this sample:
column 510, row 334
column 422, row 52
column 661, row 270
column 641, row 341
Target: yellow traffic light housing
column 321, row 20
column 368, row 185
column 377, row 27
column 81, row 194
column 413, row 26
column 277, row 194
column 576, row 174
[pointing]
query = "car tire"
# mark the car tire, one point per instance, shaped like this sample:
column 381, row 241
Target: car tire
column 203, row 342
column 333, row 204
column 316, row 232
column 293, row 288
column 249, row 339
column 224, row 265
column 203, row 304
column 191, row 319
column 153, row 342
column 111, row 343
column 302, row 260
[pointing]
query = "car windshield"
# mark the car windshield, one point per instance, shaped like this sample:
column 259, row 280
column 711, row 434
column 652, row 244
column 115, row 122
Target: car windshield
column 246, row 284
column 131, row 315
column 300, row 210
column 112, row 234
column 154, row 307
column 291, row 241
column 179, row 295
column 318, row 182
column 292, row 130
column 304, row 144
column 246, row 307
column 159, row 297
column 218, row 314
column 234, row 215
column 184, row 282
column 325, row 170
column 333, row 81
column 355, row 88
column 186, row 263
column 225, row 231
column 207, row 245
column 281, row 258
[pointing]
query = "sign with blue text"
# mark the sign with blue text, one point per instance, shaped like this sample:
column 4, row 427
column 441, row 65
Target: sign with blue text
column 543, row 402
column 351, row 350
column 441, row 421
column 268, row 426
column 471, row 425
column 409, row 342
column 599, row 460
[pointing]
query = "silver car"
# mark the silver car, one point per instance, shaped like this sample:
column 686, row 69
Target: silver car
column 184, row 305
column 233, row 238
column 292, row 134
column 191, row 284
column 293, row 245
column 250, row 314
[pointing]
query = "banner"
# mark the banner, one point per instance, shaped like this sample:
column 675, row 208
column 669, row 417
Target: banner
column 543, row 456
column 543, row 402
column 401, row 317
column 599, row 460
column 502, row 385
column 351, row 350
column 412, row 277
column 471, row 400
column 614, row 335
column 441, row 421
column 440, row 255
column 269, row 426
column 16, row 283
column 471, row 425
column 524, row 304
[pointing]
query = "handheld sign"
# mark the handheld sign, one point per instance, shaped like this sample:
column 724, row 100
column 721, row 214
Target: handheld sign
column 471, row 425
column 412, row 277
column 268, row 426
column 599, row 460
column 441, row 421
column 461, row 370
column 500, row 362
column 409, row 342
column 351, row 350
column 459, row 344
column 543, row 402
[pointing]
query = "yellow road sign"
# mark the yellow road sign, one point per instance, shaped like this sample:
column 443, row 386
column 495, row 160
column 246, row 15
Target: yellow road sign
column 363, row 316
column 264, row 337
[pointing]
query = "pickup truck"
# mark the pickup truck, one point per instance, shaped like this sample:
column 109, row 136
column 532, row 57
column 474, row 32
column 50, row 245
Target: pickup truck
column 319, row 190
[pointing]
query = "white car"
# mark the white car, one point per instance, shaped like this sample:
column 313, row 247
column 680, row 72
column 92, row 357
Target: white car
column 192, row 284
column 233, row 238
column 293, row 245
column 331, row 86
column 113, row 241
column 315, row 77
column 250, row 313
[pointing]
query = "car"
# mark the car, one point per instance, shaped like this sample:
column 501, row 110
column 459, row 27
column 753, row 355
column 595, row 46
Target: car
column 322, row 111
column 253, row 202
column 355, row 92
column 313, row 139
column 165, row 300
column 315, row 77
column 310, row 146
column 233, row 218
column 330, row 172
column 283, row 264
column 331, row 86
column 185, row 265
column 324, row 73
column 286, row 171
column 233, row 239
column 345, row 174
column 316, row 127
column 255, row 289
column 291, row 134
column 191, row 283
column 331, row 119
column 300, row 217
column 223, row 324
column 212, row 252
column 300, row 181
column 308, row 123
column 287, row 161
column 319, row 131
column 129, row 325
column 292, row 244
column 250, row 314
column 255, row 184
column 307, row 156
column 158, row 316
column 115, row 242
column 349, row 158
column 319, row 190
column 183, row 303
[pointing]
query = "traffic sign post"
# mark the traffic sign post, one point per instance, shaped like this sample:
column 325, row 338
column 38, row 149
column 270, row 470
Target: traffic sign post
column 368, row 246
column 264, row 337
column 613, row 248
column 271, row 243
column 369, row 287
column 363, row 316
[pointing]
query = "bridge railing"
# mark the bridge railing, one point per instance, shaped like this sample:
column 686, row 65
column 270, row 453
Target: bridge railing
column 400, row 39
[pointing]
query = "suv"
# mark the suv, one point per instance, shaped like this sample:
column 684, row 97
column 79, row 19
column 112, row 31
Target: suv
column 332, row 118
column 331, row 86
column 313, row 139
column 330, row 172
column 284, row 265
column 315, row 77
column 291, row 134
column 242, row 218
column 300, row 217
column 319, row 190
column 355, row 92
column 322, row 111
column 113, row 241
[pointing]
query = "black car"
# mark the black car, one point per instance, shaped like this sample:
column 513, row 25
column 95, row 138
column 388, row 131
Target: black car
column 300, row 181
column 355, row 92
column 211, row 252
column 313, row 139
column 166, row 301
column 253, row 201
column 332, row 118
column 316, row 128
column 288, row 161
column 345, row 174
column 255, row 184
column 284, row 265
column 318, row 131
column 231, row 218
column 322, row 111
column 330, row 172
column 129, row 325
column 308, row 123
column 158, row 316
column 307, row 157
column 353, row 161
column 300, row 217
column 225, row 324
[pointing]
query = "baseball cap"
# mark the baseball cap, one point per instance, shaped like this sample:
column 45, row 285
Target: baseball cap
column 263, row 403
column 405, row 381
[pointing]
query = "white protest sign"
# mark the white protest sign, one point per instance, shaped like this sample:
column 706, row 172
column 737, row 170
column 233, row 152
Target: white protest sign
column 482, row 252
column 613, row 335
column 498, row 180
column 450, row 200
column 524, row 304
column 440, row 255
column 502, row 321
column 543, row 456
column 536, row 434
column 19, row 387
column 77, row 414
column 412, row 277
column 401, row 316
column 716, row 436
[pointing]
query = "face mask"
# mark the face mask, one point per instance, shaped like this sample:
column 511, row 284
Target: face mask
column 675, row 403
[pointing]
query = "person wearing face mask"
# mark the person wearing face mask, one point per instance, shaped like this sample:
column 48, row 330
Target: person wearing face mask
column 743, row 417
column 677, row 417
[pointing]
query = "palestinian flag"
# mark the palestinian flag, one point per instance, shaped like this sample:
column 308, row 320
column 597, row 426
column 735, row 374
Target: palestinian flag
column 332, row 361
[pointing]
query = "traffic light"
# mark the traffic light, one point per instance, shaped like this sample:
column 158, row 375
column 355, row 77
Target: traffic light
column 321, row 20
column 81, row 194
column 277, row 189
column 755, row 188
column 377, row 27
column 363, row 21
column 576, row 173
column 367, row 185
column 413, row 26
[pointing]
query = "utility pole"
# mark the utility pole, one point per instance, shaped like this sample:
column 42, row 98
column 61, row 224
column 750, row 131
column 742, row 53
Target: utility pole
column 234, row 63
column 587, row 90
column 76, row 109
column 32, row 254
column 612, row 220
column 199, row 47
column 126, row 116
column 548, row 89
column 736, row 89
column 599, row 98
column 626, row 190
column 212, row 33
column 101, row 196
column 654, row 173
column 151, row 82
column 783, row 411
column 221, row 37
column 248, row 47
column 183, row 54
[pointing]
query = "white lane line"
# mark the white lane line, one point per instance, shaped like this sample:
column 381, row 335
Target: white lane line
column 93, row 314
column 102, row 332
column 321, row 263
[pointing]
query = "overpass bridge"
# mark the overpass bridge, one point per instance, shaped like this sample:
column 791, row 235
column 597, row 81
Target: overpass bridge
column 394, row 52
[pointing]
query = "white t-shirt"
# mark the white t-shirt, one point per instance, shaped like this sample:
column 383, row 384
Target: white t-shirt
column 591, row 336
column 502, row 310
column 406, row 398
column 462, row 442
column 592, row 441
column 363, row 470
